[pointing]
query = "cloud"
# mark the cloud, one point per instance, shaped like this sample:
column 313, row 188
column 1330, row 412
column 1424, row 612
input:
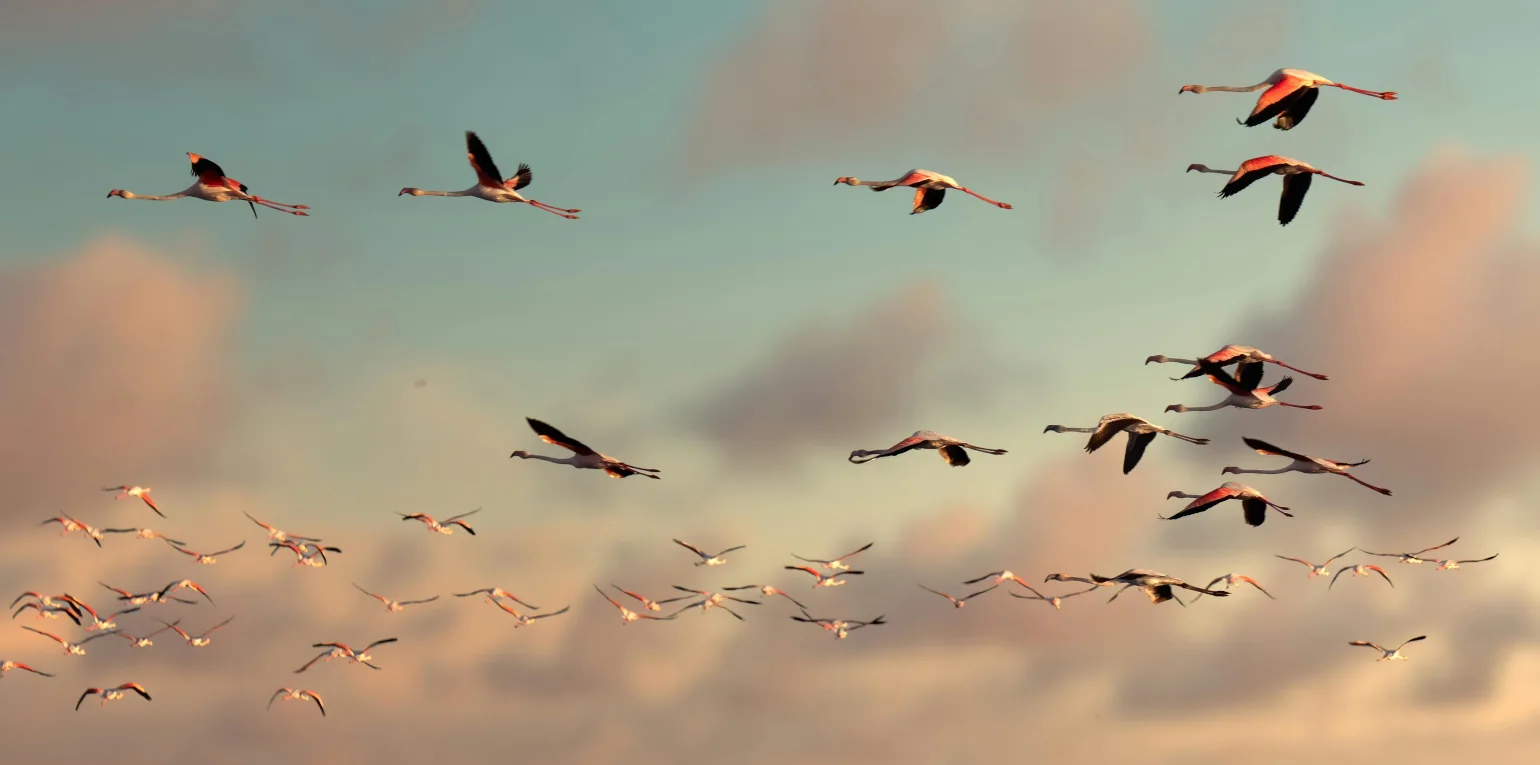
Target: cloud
column 116, row 368
column 834, row 380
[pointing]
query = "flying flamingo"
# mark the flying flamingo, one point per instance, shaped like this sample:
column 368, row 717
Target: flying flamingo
column 1155, row 585
column 7, row 666
column 141, row 598
column 767, row 591
column 185, row 584
column 836, row 564
column 839, row 627
column 199, row 640
column 1393, row 654
column 489, row 183
column 832, row 580
column 98, row 622
column 583, row 457
column 1303, row 464
column 1246, row 391
column 112, row 694
column 47, row 600
column 1322, row 569
column 1140, row 433
column 71, row 649
column 1253, row 503
column 1000, row 577
column 1230, row 580
column 279, row 535
column 68, row 524
column 142, row 492
column 207, row 559
column 1056, row 601
column 930, row 188
column 494, row 594
column 49, row 612
column 442, row 527
column 1361, row 569
column 962, row 601
column 521, row 620
column 305, row 554
column 1290, row 94
column 712, row 600
column 214, row 186
column 1296, row 180
column 144, row 534
column 1241, row 355
column 1450, row 565
column 705, row 559
column 342, row 651
column 1414, row 557
column 650, row 605
column 145, row 642
column 297, row 694
column 394, row 606
column 950, row 449
column 627, row 615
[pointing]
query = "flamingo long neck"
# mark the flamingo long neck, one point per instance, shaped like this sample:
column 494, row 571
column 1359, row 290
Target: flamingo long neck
column 1234, row 88
column 1214, row 408
column 155, row 198
column 1264, row 472
column 558, row 460
column 431, row 193
column 1077, row 430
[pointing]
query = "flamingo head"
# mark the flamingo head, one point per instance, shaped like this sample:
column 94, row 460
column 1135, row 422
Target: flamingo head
column 115, row 193
column 847, row 180
column 410, row 190
column 1192, row 89
column 1178, row 408
column 1228, row 470
column 520, row 454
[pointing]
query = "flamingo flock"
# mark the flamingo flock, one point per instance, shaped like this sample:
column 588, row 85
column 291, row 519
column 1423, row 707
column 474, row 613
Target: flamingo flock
column 1289, row 95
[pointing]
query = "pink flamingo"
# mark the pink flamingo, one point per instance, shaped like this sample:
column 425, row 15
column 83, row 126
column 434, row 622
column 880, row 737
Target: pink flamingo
column 930, row 188
column 1296, row 180
column 490, row 184
column 214, row 186
column 1290, row 94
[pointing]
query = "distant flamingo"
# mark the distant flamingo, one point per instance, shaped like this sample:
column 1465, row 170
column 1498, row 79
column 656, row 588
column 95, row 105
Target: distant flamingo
column 930, row 188
column 442, row 527
column 1246, row 391
column 767, row 591
column 490, row 184
column 1451, row 565
column 1253, row 503
column 836, row 564
column 1055, row 600
column 214, row 186
column 832, row 580
column 1303, row 464
column 1140, row 433
column 1241, row 355
column 142, row 492
column 112, row 694
column 627, row 615
column 1230, row 580
column 950, row 449
column 1296, row 180
column 297, row 694
column 207, row 559
column 1393, row 654
column 962, row 601
column 7, row 666
column 1361, row 569
column 1290, row 94
column 1317, row 570
column 1414, row 557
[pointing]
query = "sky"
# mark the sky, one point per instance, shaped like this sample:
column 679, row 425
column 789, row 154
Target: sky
column 721, row 312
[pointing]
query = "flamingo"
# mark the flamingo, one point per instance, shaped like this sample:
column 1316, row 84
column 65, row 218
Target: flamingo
column 711, row 600
column 145, row 642
column 68, row 524
column 521, row 620
column 1322, row 569
column 144, row 534
column 1303, row 464
column 49, row 612
column 1155, row 585
column 1361, row 569
column 98, row 622
column 112, row 694
column 305, row 554
column 494, row 594
column 962, row 601
column 840, row 627
column 489, row 183
column 1241, row 355
column 394, row 606
column 1296, row 180
column 185, row 584
column 142, row 492
column 1230, row 580
column 1056, row 601
column 214, row 186
column 1392, row 654
column 708, row 560
column 832, row 580
column 930, row 188
column 342, row 651
column 767, row 591
column 950, row 449
column 141, row 598
column 7, row 666
column 1000, row 577
column 1290, row 94
column 582, row 457
column 47, row 600
column 650, row 605
column 70, row 649
column 1413, row 557
column 442, row 527
column 207, row 559
column 1253, row 503
column 1450, row 565
column 1140, row 433
column 1246, row 391
column 627, row 615
column 279, row 535
column 836, row 564
column 199, row 640
column 297, row 694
